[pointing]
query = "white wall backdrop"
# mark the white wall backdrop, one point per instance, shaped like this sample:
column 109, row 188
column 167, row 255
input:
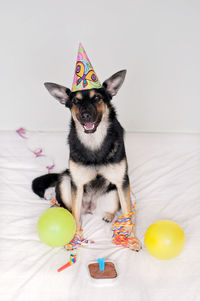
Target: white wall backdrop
column 157, row 41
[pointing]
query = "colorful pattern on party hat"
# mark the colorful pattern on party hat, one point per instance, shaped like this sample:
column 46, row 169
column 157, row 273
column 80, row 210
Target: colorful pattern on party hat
column 85, row 78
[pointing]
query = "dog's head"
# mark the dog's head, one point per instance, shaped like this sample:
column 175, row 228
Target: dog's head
column 88, row 107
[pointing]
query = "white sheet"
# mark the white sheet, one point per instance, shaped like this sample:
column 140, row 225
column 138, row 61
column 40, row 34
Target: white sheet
column 165, row 177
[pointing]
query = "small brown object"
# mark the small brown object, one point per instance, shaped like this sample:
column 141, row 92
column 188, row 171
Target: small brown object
column 108, row 273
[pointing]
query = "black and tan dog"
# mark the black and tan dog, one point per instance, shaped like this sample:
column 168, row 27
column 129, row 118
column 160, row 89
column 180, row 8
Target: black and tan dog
column 97, row 162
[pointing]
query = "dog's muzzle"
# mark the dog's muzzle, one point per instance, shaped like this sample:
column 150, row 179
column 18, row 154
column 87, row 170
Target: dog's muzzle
column 88, row 122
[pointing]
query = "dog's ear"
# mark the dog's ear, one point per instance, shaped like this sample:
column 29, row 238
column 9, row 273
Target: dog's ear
column 113, row 84
column 61, row 93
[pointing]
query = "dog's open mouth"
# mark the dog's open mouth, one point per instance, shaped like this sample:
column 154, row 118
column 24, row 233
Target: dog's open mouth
column 90, row 127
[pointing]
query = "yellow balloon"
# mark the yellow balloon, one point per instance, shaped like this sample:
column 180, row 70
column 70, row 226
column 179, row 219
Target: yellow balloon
column 164, row 239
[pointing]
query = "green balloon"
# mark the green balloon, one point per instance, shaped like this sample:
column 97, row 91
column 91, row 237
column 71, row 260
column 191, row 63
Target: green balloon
column 56, row 227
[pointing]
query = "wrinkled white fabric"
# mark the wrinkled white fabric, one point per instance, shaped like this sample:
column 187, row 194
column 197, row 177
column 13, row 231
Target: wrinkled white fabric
column 164, row 171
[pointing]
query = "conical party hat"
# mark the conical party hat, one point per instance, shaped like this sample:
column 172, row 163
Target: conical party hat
column 84, row 78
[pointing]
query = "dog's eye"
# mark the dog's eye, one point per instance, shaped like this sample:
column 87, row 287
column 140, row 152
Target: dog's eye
column 97, row 98
column 76, row 101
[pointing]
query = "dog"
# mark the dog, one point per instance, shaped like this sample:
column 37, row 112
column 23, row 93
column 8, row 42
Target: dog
column 97, row 161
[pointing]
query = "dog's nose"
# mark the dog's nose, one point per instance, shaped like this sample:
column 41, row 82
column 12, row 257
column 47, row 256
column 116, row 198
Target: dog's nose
column 85, row 116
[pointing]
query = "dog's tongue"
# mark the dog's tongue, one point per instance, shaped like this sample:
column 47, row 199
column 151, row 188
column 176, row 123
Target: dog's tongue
column 89, row 126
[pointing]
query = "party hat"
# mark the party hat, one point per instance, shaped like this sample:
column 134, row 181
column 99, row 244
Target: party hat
column 84, row 78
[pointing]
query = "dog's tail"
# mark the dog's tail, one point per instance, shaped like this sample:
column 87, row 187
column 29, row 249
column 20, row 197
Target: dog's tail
column 40, row 184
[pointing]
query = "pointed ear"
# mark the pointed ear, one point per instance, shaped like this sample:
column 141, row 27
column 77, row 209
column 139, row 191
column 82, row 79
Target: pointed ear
column 61, row 93
column 113, row 84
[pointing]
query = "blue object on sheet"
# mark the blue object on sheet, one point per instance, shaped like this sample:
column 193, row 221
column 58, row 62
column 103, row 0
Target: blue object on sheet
column 101, row 262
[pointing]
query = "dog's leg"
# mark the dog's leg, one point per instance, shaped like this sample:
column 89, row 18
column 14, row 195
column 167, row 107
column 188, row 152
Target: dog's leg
column 77, row 197
column 117, row 175
column 124, row 198
column 80, row 175
column 125, row 201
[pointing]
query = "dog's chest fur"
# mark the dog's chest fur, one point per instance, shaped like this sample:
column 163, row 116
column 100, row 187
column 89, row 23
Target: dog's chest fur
column 82, row 174
column 105, row 146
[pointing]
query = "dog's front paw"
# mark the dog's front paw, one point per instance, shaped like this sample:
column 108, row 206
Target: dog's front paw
column 134, row 244
column 108, row 217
